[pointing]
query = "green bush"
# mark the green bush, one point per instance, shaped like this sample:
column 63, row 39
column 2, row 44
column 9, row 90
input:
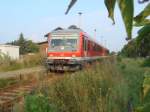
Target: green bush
column 146, row 63
column 38, row 104
column 7, row 82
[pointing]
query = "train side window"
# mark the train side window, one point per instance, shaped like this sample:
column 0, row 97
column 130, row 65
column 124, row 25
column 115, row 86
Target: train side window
column 88, row 45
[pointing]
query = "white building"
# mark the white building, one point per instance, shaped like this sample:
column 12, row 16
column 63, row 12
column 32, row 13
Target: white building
column 10, row 50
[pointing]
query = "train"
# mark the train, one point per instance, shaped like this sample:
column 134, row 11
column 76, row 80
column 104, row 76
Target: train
column 70, row 49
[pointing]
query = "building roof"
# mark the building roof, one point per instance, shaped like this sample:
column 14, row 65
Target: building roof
column 4, row 45
column 44, row 42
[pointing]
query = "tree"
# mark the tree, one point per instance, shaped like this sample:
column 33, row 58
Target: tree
column 127, row 12
column 31, row 47
column 22, row 43
column 26, row 46
column 130, row 50
column 143, row 44
column 138, row 47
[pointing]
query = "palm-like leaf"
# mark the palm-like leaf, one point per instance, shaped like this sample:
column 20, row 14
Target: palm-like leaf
column 141, row 17
column 110, row 4
column 127, row 11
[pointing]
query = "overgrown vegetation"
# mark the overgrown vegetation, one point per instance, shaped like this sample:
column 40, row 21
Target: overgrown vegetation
column 138, row 47
column 136, row 77
column 97, row 89
column 146, row 62
column 7, row 82
column 7, row 64
column 109, row 86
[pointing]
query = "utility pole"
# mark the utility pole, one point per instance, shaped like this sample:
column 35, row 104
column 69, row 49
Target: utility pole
column 105, row 43
column 95, row 31
column 80, row 19
column 102, row 40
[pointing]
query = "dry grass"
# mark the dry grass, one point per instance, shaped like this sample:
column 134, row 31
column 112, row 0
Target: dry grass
column 99, row 88
column 6, row 64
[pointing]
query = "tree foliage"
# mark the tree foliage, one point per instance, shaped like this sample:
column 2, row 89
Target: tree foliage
column 138, row 47
column 26, row 46
column 130, row 50
column 127, row 12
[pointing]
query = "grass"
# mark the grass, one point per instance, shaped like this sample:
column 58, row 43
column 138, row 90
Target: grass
column 27, row 61
column 99, row 88
column 146, row 62
column 111, row 85
column 134, row 73
column 7, row 82
column 19, row 80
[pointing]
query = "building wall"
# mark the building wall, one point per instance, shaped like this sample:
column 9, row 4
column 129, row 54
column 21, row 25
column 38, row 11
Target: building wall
column 43, row 47
column 11, row 51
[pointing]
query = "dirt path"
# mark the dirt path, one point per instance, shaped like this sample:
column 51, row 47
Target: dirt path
column 17, row 73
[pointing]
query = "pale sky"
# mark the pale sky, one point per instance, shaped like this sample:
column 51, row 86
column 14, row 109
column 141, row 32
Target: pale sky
column 35, row 18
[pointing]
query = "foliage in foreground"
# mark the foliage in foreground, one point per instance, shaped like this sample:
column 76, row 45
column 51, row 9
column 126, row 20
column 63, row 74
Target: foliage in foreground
column 39, row 103
column 106, row 87
column 145, row 98
column 138, row 80
column 97, row 89
column 146, row 62
column 127, row 12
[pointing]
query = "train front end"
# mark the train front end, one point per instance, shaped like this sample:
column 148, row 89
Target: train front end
column 63, row 51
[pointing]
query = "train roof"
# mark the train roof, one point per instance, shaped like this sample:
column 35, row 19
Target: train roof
column 67, row 31
column 70, row 29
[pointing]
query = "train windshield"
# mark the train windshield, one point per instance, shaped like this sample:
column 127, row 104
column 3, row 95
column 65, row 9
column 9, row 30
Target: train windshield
column 63, row 43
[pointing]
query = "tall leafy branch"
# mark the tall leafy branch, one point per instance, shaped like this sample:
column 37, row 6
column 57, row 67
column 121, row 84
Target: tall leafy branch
column 127, row 11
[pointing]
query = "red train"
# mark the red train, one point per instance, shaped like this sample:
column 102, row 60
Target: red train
column 70, row 49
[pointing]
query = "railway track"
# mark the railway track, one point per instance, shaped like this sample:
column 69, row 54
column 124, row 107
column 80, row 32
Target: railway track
column 13, row 94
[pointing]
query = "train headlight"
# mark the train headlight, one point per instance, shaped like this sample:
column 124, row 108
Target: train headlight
column 73, row 55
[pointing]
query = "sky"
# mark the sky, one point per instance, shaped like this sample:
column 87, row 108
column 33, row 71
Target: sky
column 35, row 18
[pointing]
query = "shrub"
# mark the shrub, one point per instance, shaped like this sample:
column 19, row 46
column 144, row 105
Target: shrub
column 7, row 82
column 146, row 63
column 38, row 103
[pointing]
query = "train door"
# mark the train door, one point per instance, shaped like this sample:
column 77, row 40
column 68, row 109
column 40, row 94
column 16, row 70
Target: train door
column 85, row 46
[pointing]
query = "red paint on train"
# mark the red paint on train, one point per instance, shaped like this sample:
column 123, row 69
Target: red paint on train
column 73, row 45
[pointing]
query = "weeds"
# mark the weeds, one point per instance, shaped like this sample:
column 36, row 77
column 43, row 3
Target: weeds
column 146, row 62
column 6, row 64
column 7, row 82
column 110, row 85
column 99, row 88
